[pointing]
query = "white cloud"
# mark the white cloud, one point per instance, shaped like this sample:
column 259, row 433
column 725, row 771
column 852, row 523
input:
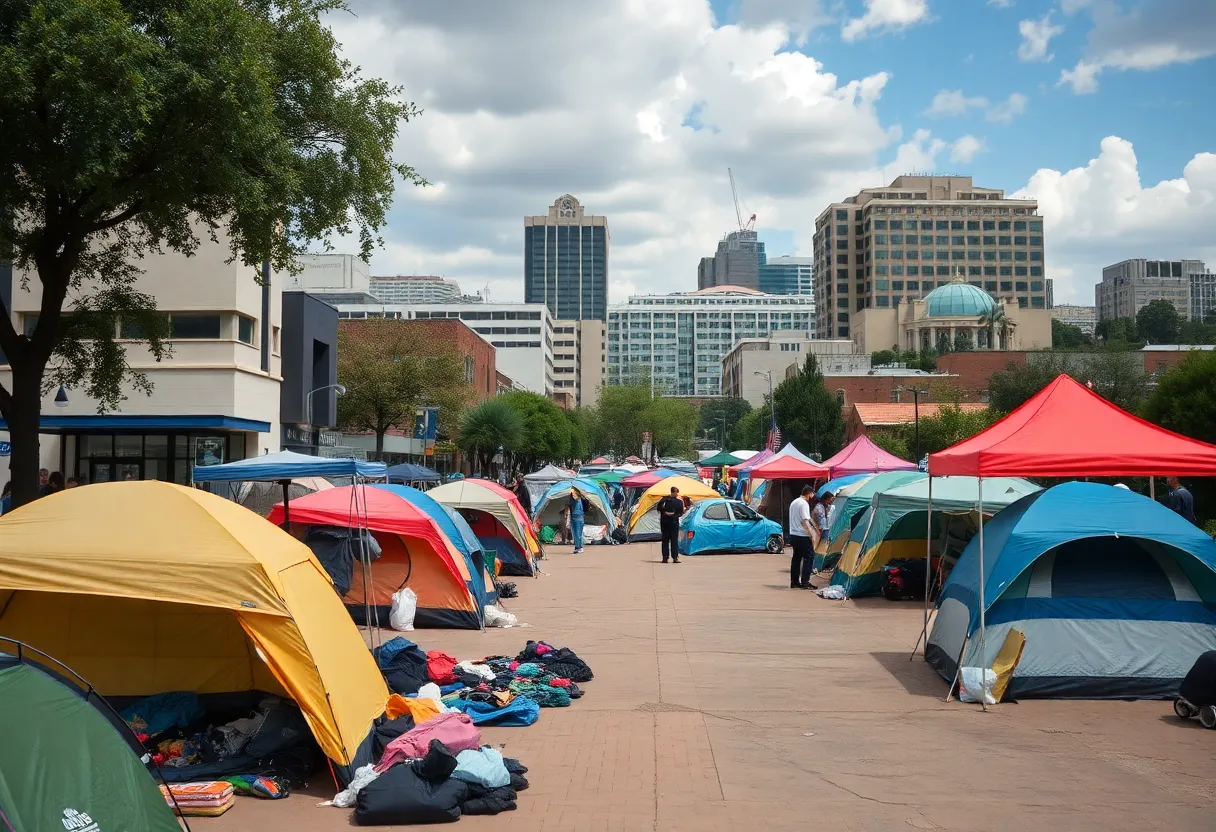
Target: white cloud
column 965, row 149
column 886, row 16
column 799, row 16
column 954, row 103
column 1036, row 37
column 1001, row 4
column 1155, row 34
column 523, row 104
column 1009, row 109
column 1101, row 213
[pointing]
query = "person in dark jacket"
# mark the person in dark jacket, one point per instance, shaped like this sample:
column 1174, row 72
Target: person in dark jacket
column 1180, row 500
column 671, row 508
column 521, row 492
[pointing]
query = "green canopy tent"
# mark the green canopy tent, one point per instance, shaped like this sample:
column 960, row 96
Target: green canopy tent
column 718, row 460
column 608, row 477
column 846, row 510
column 67, row 760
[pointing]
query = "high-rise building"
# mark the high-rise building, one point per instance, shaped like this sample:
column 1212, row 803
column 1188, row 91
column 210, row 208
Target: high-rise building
column 414, row 288
column 736, row 262
column 1130, row 285
column 566, row 261
column 1203, row 295
column 787, row 276
column 677, row 341
column 886, row 245
column 578, row 361
column 1083, row 317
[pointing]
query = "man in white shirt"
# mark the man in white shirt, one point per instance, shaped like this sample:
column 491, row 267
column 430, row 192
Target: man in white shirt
column 802, row 538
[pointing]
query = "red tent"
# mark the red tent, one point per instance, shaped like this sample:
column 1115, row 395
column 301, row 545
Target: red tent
column 749, row 464
column 599, row 460
column 862, row 456
column 1067, row 430
column 789, row 468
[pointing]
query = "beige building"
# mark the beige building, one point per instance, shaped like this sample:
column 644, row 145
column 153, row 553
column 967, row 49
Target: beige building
column 745, row 366
column 1130, row 285
column 216, row 398
column 1083, row 317
column 885, row 246
column 578, row 362
column 951, row 317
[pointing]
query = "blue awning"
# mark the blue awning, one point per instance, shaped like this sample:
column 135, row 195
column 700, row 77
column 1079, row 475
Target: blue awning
column 121, row 421
column 287, row 465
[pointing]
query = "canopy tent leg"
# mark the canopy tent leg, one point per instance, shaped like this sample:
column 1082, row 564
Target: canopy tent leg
column 1152, row 488
column 286, row 484
column 924, row 630
column 958, row 669
column 979, row 489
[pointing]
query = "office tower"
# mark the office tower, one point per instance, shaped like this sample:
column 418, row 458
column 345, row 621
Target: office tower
column 414, row 288
column 736, row 262
column 787, row 276
column 1130, row 285
column 566, row 261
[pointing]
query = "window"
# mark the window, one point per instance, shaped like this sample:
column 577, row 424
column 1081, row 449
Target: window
column 913, row 271
column 897, row 239
column 989, row 225
column 1036, row 285
column 1036, row 271
column 957, row 240
column 1005, row 254
column 990, row 256
column 943, row 270
column 912, row 254
column 843, row 216
column 973, row 255
column 126, row 329
column 842, row 332
column 1019, row 255
column 897, row 254
column 880, row 239
column 912, row 239
column 1036, row 302
column 926, row 239
column 842, row 229
column 1006, row 271
column 897, row 285
column 880, row 285
column 942, row 225
column 842, row 317
column 194, row 326
column 1003, row 225
column 990, row 285
column 843, row 244
column 244, row 330
column 926, row 225
column 1019, row 225
column 842, row 288
column 897, row 225
column 882, row 301
column 897, row 269
column 957, row 255
column 1019, row 286
column 1036, row 241
column 880, row 269
column 880, row 225
column 1019, row 271
column 1036, row 255
column 880, row 254
column 973, row 240
column 973, row 271
column 1021, row 303
column 913, row 285
column 990, row 271
column 1036, row 226
column 842, row 303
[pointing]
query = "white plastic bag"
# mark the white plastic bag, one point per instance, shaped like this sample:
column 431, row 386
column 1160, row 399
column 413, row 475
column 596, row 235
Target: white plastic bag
column 401, row 615
column 346, row 798
column 832, row 593
column 972, row 689
column 497, row 618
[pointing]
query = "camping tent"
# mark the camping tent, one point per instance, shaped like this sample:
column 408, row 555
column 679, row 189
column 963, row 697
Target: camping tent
column 644, row 520
column 744, row 455
column 599, row 513
column 751, row 462
column 538, row 482
column 834, row 486
column 498, row 520
column 851, row 501
column 1113, row 592
column 680, row 466
column 149, row 587
column 414, row 552
column 896, row 525
column 719, row 459
column 68, row 761
column 408, row 472
column 645, row 479
column 788, row 463
column 862, row 456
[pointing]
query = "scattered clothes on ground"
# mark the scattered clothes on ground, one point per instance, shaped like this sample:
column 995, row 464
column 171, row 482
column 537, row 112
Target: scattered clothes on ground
column 560, row 661
column 832, row 593
column 400, row 797
column 438, row 764
column 541, row 693
column 529, row 670
column 389, row 730
column 346, row 798
column 255, row 786
column 507, row 589
column 493, row 802
column 455, row 730
column 482, row 670
column 403, row 665
column 440, row 667
column 521, row 711
column 484, row 766
column 158, row 714
column 229, row 740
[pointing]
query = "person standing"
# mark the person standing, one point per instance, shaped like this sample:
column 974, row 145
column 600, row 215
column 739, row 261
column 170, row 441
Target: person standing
column 577, row 516
column 802, row 539
column 43, row 477
column 671, row 509
column 821, row 516
column 521, row 494
column 1180, row 500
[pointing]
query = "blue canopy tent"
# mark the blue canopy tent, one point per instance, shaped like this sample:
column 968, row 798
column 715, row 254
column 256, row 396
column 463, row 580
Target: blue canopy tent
column 408, row 472
column 458, row 531
column 1115, row 594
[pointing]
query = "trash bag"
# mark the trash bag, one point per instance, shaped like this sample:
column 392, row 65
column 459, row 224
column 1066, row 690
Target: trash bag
column 976, row 685
column 399, row 797
column 401, row 615
column 497, row 618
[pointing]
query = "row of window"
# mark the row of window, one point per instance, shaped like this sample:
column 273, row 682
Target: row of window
column 885, row 302
column 842, row 215
column 953, row 240
column 972, row 271
column 955, row 254
column 182, row 326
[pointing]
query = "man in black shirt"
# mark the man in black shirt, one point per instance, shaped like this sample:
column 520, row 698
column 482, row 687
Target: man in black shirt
column 671, row 508
column 521, row 492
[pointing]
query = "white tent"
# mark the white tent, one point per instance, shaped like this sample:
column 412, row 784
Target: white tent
column 745, row 455
column 538, row 482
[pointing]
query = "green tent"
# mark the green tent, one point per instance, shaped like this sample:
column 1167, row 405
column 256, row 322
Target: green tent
column 718, row 460
column 608, row 477
column 846, row 510
column 65, row 763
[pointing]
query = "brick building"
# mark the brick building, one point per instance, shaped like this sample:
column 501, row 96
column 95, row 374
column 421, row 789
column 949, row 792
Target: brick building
column 480, row 368
column 887, row 386
column 864, row 417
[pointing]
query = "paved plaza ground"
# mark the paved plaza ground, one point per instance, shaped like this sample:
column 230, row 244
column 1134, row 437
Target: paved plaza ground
column 723, row 700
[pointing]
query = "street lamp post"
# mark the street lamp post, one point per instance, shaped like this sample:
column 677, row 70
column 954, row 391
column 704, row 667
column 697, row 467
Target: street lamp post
column 916, row 394
column 340, row 389
column 769, row 375
column 722, row 419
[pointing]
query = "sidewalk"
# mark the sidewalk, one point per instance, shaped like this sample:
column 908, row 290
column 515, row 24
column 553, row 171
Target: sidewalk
column 723, row 700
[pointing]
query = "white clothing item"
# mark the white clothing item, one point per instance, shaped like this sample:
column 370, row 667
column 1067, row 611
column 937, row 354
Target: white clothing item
column 800, row 511
column 476, row 669
column 346, row 798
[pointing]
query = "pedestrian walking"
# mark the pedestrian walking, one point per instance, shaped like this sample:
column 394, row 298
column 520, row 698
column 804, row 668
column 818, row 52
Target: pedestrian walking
column 671, row 508
column 803, row 537
column 1180, row 500
column 522, row 494
column 577, row 515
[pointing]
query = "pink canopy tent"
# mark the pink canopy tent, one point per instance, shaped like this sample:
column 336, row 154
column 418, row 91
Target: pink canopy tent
column 862, row 456
column 758, row 459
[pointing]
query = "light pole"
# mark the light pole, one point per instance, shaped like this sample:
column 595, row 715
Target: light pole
column 339, row 388
column 722, row 419
column 916, row 394
column 769, row 375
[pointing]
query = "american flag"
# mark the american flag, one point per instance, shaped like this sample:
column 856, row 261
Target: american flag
column 774, row 438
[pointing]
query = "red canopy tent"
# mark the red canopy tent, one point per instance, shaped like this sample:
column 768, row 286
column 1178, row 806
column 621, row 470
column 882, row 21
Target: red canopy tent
column 749, row 464
column 789, row 468
column 862, row 456
column 1067, row 430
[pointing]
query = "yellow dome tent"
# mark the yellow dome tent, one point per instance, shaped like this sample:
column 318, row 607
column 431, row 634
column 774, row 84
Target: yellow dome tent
column 644, row 521
column 149, row 587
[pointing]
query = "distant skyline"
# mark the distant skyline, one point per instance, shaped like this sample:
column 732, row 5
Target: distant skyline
column 1103, row 110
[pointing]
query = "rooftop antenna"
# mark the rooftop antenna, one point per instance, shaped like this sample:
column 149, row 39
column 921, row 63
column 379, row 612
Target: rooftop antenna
column 734, row 192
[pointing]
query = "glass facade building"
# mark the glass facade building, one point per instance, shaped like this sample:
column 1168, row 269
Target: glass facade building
column 787, row 276
column 566, row 261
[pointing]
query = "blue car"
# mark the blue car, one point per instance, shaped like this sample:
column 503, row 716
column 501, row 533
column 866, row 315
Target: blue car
column 727, row 526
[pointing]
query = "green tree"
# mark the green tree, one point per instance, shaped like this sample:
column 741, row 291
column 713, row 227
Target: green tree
column 893, row 441
column 1065, row 336
column 749, row 432
column 807, row 412
column 131, row 127
column 998, row 326
column 619, row 419
column 1158, row 322
column 717, row 411
column 1116, row 375
column 943, row 343
column 546, row 430
column 1009, row 388
column 962, row 341
column 390, row 369
column 672, row 424
column 1197, row 332
column 1184, row 401
column 579, row 421
column 883, row 357
column 1118, row 333
column 491, row 425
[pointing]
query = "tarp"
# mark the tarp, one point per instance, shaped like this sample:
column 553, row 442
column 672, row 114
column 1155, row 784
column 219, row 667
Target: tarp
column 415, row 553
column 557, row 497
column 897, row 525
column 834, row 485
column 719, row 459
column 862, row 456
column 789, row 463
column 608, row 477
column 1067, row 430
column 489, row 507
column 148, row 587
column 408, row 472
column 539, row 481
column 1114, row 592
column 287, row 465
column 644, row 521
column 744, row 455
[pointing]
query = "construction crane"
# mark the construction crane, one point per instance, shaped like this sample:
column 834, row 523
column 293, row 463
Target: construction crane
column 734, row 192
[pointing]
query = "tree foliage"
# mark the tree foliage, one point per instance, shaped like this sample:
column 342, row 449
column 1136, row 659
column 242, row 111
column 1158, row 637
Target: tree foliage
column 618, row 419
column 131, row 127
column 807, row 412
column 1119, row 333
column 491, row 425
column 672, row 423
column 546, row 430
column 715, row 411
column 1117, row 375
column 1158, row 322
column 390, row 369
column 951, row 425
column 1065, row 336
column 1185, row 397
column 749, row 432
column 1197, row 332
column 925, row 360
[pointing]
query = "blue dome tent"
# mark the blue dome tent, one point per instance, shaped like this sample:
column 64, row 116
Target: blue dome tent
column 1115, row 593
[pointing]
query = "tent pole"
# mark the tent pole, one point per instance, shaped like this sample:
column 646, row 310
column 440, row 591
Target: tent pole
column 958, row 668
column 924, row 630
column 286, row 504
column 1152, row 488
column 979, row 485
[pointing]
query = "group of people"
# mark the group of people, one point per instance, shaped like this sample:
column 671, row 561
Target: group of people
column 809, row 522
column 49, row 482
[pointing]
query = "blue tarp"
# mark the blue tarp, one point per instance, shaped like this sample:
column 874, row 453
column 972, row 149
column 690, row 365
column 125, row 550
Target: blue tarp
column 287, row 465
column 835, row 485
column 408, row 472
column 520, row 712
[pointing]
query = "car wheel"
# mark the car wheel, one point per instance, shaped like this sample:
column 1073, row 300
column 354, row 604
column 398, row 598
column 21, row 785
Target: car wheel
column 1183, row 709
column 775, row 545
column 1207, row 716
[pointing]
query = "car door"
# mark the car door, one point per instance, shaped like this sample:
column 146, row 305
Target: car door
column 716, row 530
column 748, row 536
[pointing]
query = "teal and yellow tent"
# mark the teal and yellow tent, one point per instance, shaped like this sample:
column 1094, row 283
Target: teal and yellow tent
column 851, row 501
column 897, row 524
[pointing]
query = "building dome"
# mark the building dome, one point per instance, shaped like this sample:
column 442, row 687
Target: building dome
column 958, row 299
